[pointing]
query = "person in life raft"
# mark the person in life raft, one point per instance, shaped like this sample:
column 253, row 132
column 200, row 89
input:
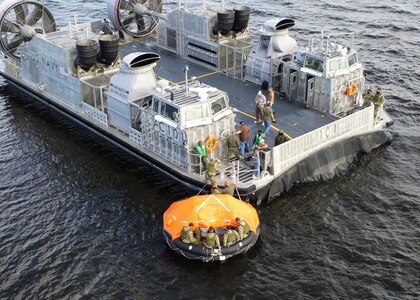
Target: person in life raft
column 187, row 234
column 212, row 239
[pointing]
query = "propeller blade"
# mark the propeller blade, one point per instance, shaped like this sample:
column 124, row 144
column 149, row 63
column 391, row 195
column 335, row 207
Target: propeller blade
column 141, row 26
column 130, row 19
column 35, row 16
column 8, row 26
column 48, row 22
column 126, row 5
column 20, row 14
column 14, row 44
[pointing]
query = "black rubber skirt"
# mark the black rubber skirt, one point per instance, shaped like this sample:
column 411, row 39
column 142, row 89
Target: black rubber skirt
column 199, row 252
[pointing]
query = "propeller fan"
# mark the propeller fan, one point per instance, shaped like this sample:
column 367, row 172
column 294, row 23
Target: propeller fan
column 127, row 16
column 20, row 21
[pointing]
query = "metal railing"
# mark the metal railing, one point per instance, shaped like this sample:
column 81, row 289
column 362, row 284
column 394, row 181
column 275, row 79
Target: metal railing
column 287, row 154
column 232, row 58
column 95, row 114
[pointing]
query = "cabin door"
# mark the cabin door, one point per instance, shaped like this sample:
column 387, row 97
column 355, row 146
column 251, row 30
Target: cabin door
column 278, row 78
column 293, row 85
column 310, row 91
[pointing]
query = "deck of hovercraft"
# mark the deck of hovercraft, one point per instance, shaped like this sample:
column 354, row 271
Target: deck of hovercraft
column 291, row 117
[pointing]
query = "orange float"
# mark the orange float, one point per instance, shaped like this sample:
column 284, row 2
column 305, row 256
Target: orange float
column 211, row 143
column 351, row 89
column 218, row 211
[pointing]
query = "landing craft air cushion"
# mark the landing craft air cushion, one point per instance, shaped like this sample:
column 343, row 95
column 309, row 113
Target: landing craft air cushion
column 143, row 97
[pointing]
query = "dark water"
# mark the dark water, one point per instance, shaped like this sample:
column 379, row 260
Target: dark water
column 81, row 220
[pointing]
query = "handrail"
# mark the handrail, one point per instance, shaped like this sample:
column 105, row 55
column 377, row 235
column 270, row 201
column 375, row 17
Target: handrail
column 284, row 155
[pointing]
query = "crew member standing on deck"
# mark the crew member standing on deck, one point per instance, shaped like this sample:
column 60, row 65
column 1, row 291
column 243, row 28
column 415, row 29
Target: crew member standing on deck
column 268, row 118
column 378, row 100
column 256, row 163
column 271, row 95
column 243, row 139
column 267, row 91
column 260, row 101
column 257, row 139
column 367, row 97
column 280, row 138
column 233, row 146
column 202, row 151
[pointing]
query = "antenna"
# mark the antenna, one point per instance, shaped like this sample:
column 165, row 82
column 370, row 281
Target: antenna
column 70, row 31
column 75, row 22
column 186, row 69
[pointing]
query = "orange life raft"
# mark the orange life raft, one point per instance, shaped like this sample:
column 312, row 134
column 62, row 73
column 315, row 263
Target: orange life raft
column 217, row 210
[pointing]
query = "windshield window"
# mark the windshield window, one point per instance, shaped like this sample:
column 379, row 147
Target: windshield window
column 196, row 113
column 336, row 64
column 218, row 105
column 352, row 59
column 168, row 111
column 155, row 105
column 314, row 64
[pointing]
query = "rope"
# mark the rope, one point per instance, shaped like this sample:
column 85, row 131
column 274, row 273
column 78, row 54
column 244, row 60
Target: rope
column 201, row 189
column 236, row 187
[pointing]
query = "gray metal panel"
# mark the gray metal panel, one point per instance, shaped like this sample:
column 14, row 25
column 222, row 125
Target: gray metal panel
column 310, row 93
column 293, row 87
column 301, row 97
column 171, row 38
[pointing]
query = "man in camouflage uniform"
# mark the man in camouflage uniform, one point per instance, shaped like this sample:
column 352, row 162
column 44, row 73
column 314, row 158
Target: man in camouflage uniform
column 230, row 237
column 187, row 235
column 367, row 97
column 212, row 239
column 212, row 168
column 242, row 229
column 232, row 143
column 228, row 189
column 378, row 100
column 215, row 189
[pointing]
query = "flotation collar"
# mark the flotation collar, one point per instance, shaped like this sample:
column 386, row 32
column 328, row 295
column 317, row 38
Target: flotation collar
column 351, row 89
column 211, row 143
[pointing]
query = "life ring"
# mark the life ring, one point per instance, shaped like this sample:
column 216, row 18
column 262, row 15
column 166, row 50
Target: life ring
column 351, row 89
column 213, row 142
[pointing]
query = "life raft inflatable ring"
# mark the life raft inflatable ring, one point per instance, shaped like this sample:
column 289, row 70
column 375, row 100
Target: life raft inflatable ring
column 211, row 143
column 351, row 89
